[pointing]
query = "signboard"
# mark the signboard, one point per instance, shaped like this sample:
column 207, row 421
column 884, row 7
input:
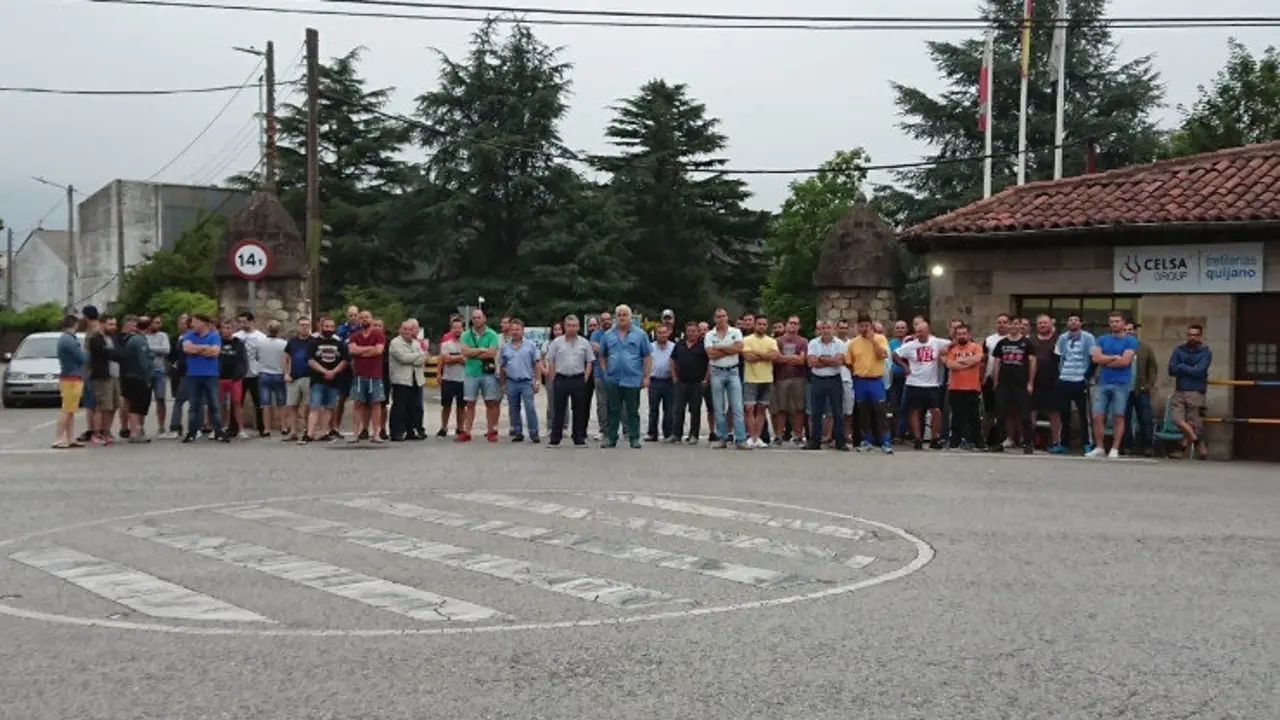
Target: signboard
column 250, row 259
column 539, row 336
column 1235, row 268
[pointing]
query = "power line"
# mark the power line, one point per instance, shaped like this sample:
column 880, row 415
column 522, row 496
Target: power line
column 869, row 23
column 202, row 133
column 129, row 93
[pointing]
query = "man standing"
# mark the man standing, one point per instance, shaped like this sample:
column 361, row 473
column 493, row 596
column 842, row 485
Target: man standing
column 203, row 349
column 661, row 388
column 1014, row 382
column 760, row 352
column 158, row 341
column 1146, row 373
column 704, row 329
column 964, row 390
column 846, row 378
column 991, row 415
column 452, row 376
column 920, row 357
column 724, row 350
column 789, row 383
column 366, row 347
column 569, row 360
column 137, row 376
column 326, row 360
column 71, row 360
column 628, row 364
column 1044, row 398
column 104, row 369
column 520, row 370
column 602, row 401
column 343, row 386
column 269, row 355
column 297, row 377
column 480, row 348
column 689, row 368
column 1074, row 361
column 1114, row 354
column 408, row 358
column 826, row 355
column 1189, row 368
column 233, row 363
column 897, row 389
column 250, row 335
column 177, row 371
column 866, row 354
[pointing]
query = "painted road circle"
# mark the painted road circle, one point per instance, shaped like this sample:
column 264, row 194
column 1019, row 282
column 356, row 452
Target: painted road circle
column 739, row 527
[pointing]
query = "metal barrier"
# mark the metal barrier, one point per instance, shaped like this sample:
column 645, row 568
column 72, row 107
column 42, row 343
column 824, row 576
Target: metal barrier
column 1244, row 421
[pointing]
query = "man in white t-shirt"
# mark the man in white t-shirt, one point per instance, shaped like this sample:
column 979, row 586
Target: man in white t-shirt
column 826, row 357
column 921, row 357
column 992, row 427
column 724, row 345
column 251, row 336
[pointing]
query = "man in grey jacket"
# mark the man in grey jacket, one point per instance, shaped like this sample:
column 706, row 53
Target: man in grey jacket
column 407, row 360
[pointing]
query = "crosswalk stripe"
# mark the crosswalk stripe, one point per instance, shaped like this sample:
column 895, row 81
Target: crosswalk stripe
column 668, row 529
column 733, row 572
column 566, row 582
column 131, row 588
column 711, row 511
column 339, row 581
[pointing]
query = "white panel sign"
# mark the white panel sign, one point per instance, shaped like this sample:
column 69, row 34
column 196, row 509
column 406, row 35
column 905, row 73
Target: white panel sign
column 539, row 336
column 1235, row 268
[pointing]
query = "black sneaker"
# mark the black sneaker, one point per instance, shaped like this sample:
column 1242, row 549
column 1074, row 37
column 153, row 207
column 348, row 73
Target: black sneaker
column 364, row 435
column 936, row 445
column 917, row 445
column 124, row 433
column 1028, row 450
column 651, row 438
column 223, row 437
column 333, row 435
column 384, row 435
column 517, row 438
column 305, row 439
column 189, row 438
column 535, row 439
column 442, row 432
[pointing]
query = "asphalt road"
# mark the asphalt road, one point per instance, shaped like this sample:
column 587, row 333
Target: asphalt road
column 436, row 580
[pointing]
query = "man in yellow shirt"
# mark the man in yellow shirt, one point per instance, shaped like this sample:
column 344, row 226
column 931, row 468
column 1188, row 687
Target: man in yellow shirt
column 760, row 351
column 866, row 355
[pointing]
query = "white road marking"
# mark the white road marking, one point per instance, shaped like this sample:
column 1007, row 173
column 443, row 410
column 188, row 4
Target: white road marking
column 565, row 582
column 131, row 588
column 690, row 508
column 744, row 574
column 33, row 428
column 668, row 529
column 339, row 581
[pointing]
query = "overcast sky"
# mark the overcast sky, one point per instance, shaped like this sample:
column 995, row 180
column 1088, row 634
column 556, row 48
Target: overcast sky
column 786, row 98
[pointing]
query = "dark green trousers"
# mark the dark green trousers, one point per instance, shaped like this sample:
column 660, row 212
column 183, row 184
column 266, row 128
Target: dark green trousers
column 624, row 405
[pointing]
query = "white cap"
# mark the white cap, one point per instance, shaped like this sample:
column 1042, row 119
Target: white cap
column 668, row 313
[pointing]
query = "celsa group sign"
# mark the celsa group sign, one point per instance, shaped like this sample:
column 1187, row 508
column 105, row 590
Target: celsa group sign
column 1235, row 268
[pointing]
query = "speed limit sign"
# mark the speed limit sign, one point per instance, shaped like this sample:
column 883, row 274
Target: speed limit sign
column 250, row 259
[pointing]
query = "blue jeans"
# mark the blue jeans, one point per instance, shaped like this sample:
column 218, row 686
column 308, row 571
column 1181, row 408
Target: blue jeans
column 520, row 394
column 272, row 391
column 1139, row 433
column 201, row 392
column 828, row 397
column 1111, row 400
column 726, row 396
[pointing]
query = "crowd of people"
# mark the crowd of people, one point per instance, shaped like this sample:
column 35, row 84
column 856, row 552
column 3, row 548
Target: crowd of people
column 760, row 383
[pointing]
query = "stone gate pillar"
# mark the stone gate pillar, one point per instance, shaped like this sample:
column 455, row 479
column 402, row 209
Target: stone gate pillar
column 858, row 268
column 283, row 293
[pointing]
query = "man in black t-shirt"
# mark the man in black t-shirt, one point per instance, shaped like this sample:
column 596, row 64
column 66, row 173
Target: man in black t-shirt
column 1014, row 378
column 1045, row 403
column 327, row 359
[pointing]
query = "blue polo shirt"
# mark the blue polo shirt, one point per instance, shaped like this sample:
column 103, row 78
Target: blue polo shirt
column 518, row 361
column 595, row 340
column 624, row 356
column 1115, row 346
column 199, row 365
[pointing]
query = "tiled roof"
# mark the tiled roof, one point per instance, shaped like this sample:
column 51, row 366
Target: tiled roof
column 1234, row 185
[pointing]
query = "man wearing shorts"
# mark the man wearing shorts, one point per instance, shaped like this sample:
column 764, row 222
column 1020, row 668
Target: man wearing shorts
column 297, row 379
column 104, row 374
column 366, row 347
column 866, row 355
column 1113, row 354
column 137, row 376
column 480, row 348
column 759, row 352
column 326, row 361
column 919, row 358
column 790, row 383
column 452, row 376
column 158, row 341
column 71, row 360
column 1015, row 374
column 1189, row 368
column 273, row 397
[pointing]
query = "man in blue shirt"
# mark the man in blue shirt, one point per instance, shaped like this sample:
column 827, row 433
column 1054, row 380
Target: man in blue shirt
column 1075, row 352
column 71, row 360
column 1189, row 368
column 1113, row 355
column 203, row 348
column 520, row 369
column 662, row 392
column 628, row 363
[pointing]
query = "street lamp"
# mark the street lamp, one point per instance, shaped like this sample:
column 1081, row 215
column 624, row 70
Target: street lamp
column 937, row 271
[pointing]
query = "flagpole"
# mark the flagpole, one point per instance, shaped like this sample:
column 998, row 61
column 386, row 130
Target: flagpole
column 988, row 61
column 1022, row 95
column 1060, row 46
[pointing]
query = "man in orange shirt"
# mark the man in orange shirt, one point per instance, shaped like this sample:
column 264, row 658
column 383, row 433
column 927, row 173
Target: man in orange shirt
column 964, row 361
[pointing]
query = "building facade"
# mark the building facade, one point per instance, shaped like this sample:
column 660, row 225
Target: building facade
column 126, row 221
column 40, row 269
column 1194, row 240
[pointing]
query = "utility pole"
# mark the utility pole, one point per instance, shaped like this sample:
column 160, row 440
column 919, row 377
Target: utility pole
column 8, row 273
column 313, row 167
column 72, row 264
column 269, row 169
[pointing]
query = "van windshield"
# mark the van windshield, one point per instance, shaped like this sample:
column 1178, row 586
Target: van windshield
column 37, row 347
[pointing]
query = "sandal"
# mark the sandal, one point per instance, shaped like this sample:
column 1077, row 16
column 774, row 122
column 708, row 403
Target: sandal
column 61, row 446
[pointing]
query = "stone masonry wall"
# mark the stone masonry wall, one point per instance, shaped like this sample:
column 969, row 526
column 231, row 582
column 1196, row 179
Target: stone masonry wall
column 847, row 303
column 283, row 299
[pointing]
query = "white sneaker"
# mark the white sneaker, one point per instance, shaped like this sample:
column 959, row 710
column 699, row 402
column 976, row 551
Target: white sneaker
column 1114, row 454
column 1097, row 453
column 597, row 437
column 1007, row 444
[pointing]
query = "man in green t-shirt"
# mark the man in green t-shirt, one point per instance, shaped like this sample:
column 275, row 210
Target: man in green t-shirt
column 480, row 347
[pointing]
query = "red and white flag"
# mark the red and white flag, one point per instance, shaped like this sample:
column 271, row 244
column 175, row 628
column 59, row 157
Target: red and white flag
column 984, row 86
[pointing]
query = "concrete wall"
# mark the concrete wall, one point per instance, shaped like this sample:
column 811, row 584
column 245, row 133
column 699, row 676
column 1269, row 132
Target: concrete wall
column 980, row 284
column 40, row 276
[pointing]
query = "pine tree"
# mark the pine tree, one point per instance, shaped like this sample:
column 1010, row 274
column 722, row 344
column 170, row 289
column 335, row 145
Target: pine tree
column 692, row 237
column 1107, row 101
